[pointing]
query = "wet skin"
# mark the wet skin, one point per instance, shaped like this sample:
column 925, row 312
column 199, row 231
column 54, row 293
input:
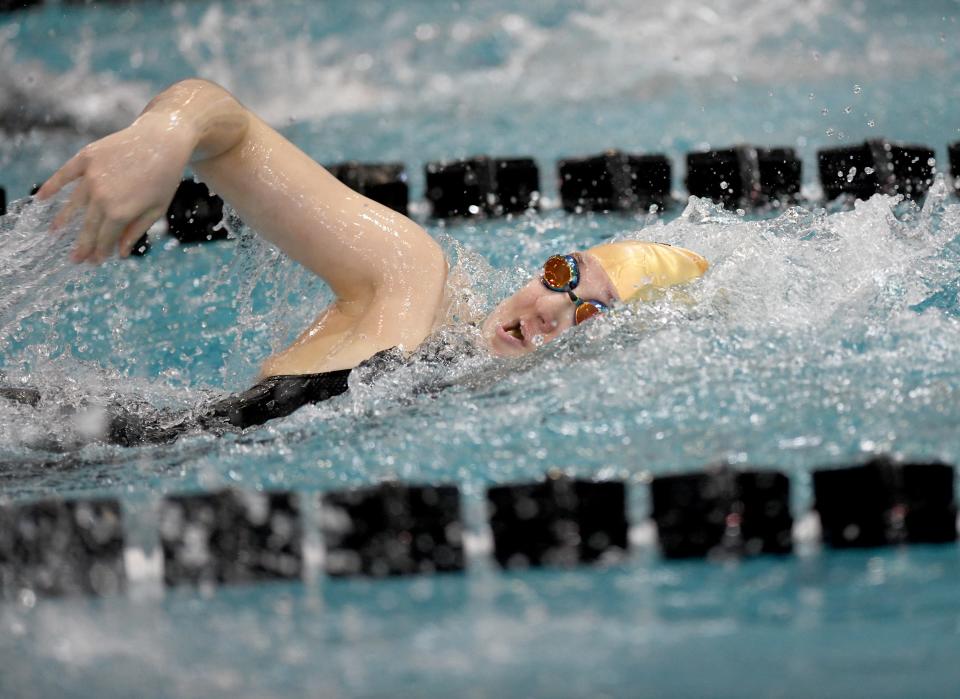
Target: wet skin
column 535, row 310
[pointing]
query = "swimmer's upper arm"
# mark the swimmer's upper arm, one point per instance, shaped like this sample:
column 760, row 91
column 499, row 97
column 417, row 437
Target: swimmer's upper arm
column 362, row 249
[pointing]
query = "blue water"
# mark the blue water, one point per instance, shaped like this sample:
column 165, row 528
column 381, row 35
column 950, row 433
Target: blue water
column 816, row 338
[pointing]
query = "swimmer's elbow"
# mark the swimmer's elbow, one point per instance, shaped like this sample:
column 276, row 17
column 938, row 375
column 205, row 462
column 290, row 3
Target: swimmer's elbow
column 424, row 263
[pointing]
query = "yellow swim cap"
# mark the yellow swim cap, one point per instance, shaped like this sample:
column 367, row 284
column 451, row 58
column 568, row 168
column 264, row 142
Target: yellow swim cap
column 634, row 266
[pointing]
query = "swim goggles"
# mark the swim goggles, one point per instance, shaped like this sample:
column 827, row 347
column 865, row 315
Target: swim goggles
column 562, row 273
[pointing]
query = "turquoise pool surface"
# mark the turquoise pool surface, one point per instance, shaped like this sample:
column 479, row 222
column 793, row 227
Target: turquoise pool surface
column 819, row 336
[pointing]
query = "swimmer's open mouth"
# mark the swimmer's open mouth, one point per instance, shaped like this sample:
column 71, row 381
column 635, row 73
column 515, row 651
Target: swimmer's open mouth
column 514, row 330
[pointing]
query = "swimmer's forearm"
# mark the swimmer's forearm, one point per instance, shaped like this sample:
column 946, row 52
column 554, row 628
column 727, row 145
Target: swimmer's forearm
column 206, row 114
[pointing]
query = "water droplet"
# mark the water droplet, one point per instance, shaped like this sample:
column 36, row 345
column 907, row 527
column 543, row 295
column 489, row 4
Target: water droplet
column 824, row 111
column 857, row 89
column 426, row 32
column 27, row 598
column 871, row 123
column 847, row 109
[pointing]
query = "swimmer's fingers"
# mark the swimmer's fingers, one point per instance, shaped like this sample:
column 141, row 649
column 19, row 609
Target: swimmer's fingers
column 132, row 233
column 87, row 240
column 70, row 171
column 77, row 201
column 111, row 229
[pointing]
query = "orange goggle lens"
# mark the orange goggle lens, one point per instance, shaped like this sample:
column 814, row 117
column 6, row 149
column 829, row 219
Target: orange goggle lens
column 585, row 311
column 556, row 272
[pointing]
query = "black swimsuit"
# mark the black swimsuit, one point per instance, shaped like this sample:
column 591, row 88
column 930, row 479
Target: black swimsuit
column 277, row 396
column 274, row 397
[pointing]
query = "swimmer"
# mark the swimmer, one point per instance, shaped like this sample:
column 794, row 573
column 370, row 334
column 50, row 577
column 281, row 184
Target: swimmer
column 387, row 274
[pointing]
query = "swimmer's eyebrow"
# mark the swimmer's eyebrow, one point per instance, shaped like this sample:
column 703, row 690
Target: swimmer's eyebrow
column 586, row 265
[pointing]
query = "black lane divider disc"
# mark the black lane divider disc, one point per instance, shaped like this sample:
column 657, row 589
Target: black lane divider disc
column 392, row 529
column 57, row 547
column 781, row 173
column 745, row 177
column 730, row 177
column 876, row 166
column 194, row 214
column 141, row 247
column 722, row 512
column 231, row 536
column 558, row 522
column 882, row 502
column 615, row 181
column 482, row 186
column 385, row 183
column 517, row 186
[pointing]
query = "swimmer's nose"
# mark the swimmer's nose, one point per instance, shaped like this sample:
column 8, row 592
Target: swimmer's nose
column 549, row 313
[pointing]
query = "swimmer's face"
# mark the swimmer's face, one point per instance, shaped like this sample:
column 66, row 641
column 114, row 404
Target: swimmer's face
column 533, row 312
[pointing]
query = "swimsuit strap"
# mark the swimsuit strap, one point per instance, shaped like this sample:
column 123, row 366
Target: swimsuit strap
column 276, row 396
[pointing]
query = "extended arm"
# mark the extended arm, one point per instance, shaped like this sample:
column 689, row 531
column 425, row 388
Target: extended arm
column 387, row 273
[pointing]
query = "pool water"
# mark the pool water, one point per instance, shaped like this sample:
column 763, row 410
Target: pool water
column 818, row 337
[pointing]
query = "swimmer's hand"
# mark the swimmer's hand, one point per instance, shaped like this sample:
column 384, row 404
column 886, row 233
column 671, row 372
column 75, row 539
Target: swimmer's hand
column 126, row 182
